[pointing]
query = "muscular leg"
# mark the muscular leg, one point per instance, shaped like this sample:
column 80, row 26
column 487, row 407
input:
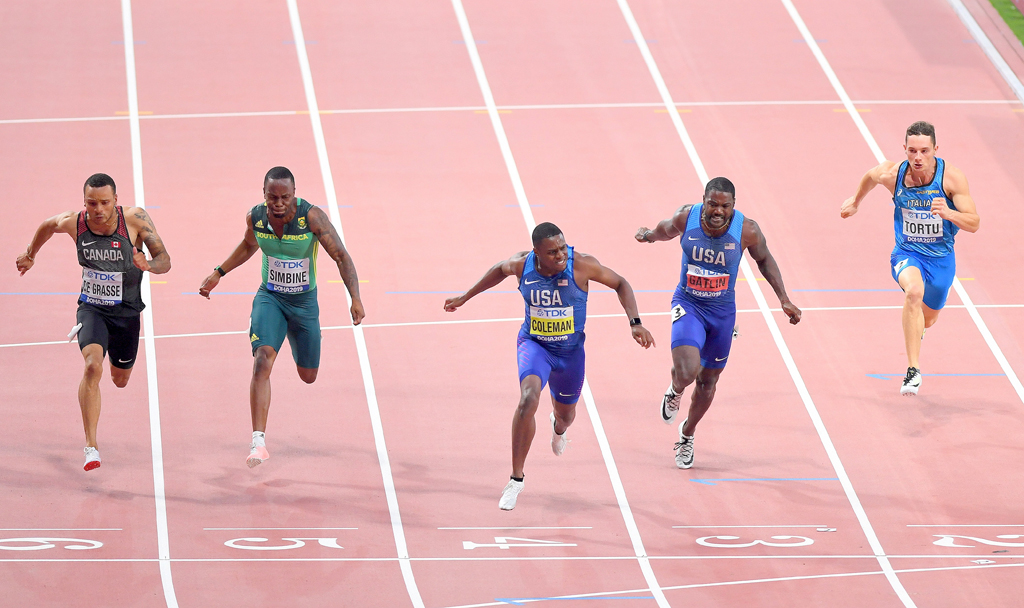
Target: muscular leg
column 685, row 365
column 259, row 387
column 913, row 313
column 565, row 413
column 700, row 401
column 524, row 427
column 89, row 391
column 120, row 376
column 308, row 374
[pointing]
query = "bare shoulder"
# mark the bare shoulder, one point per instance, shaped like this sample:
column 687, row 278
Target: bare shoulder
column 138, row 216
column 887, row 172
column 586, row 266
column 750, row 233
column 954, row 181
column 67, row 222
column 514, row 265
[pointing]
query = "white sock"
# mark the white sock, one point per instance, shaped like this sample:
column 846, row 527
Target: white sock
column 259, row 438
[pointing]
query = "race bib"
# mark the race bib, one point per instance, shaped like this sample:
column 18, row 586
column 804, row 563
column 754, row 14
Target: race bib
column 705, row 283
column 677, row 313
column 102, row 288
column 922, row 226
column 287, row 276
column 551, row 322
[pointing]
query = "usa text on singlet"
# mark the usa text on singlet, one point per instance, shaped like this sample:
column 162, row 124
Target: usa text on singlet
column 709, row 264
column 917, row 228
column 556, row 307
column 289, row 261
column 110, row 280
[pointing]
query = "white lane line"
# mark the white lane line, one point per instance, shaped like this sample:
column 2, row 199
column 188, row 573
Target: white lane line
column 546, row 106
column 588, row 397
column 550, row 558
column 163, row 542
column 764, row 526
column 964, row 526
column 990, row 50
column 522, row 528
column 61, row 529
column 236, row 529
column 364, row 360
column 513, row 320
column 879, row 156
column 773, row 327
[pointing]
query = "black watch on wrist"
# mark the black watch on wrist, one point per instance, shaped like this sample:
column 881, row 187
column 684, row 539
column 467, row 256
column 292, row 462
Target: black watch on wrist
column 220, row 271
column 634, row 322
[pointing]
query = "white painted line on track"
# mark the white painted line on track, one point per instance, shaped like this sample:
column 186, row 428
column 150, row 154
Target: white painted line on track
column 512, row 320
column 628, row 558
column 159, row 499
column 243, row 529
column 773, row 326
column 1015, row 84
column 522, row 528
column 364, row 360
column 965, row 526
column 61, row 529
column 588, row 397
column 761, row 526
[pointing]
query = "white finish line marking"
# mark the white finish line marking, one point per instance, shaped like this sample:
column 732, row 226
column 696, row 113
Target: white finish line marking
column 504, row 542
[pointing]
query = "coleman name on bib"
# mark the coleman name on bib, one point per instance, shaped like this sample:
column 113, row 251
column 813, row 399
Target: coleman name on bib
column 922, row 226
column 705, row 283
column 101, row 288
column 551, row 323
column 287, row 276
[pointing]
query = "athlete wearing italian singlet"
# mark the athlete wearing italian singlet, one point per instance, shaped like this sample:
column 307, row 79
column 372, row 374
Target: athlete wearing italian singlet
column 289, row 232
column 108, row 239
column 932, row 202
column 713, row 236
column 554, row 282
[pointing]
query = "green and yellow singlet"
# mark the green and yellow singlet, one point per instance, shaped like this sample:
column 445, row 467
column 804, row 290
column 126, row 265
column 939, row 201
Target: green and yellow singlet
column 289, row 262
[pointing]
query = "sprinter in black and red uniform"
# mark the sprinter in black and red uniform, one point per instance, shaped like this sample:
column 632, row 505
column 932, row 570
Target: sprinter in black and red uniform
column 109, row 241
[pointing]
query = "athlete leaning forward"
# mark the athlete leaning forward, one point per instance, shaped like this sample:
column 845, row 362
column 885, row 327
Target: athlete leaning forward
column 713, row 236
column 288, row 230
column 554, row 281
column 109, row 239
column 932, row 202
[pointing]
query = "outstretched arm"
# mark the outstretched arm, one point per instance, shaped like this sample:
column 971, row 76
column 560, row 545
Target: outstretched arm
column 884, row 174
column 64, row 222
column 239, row 256
column 588, row 268
column 321, row 226
column 496, row 274
column 666, row 230
column 755, row 244
column 145, row 230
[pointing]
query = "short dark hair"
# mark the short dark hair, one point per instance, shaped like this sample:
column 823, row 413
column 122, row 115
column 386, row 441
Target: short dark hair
column 279, row 173
column 720, row 184
column 543, row 231
column 99, row 180
column 921, row 128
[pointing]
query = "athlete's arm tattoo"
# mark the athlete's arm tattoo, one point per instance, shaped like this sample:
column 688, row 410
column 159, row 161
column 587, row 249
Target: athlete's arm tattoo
column 329, row 238
column 161, row 260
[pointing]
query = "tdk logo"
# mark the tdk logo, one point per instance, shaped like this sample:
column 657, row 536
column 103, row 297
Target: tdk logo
column 101, row 276
column 289, row 264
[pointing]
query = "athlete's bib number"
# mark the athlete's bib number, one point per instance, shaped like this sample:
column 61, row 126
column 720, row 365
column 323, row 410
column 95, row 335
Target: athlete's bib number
column 102, row 288
column 705, row 283
column 922, row 226
column 551, row 322
column 287, row 276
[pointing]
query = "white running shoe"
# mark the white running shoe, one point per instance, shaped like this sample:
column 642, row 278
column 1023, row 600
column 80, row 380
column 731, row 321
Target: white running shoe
column 558, row 442
column 670, row 405
column 684, row 449
column 92, row 459
column 510, row 493
column 257, row 454
column 911, row 383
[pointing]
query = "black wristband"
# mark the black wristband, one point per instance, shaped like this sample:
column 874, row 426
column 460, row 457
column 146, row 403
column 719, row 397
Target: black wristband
column 634, row 322
column 220, row 271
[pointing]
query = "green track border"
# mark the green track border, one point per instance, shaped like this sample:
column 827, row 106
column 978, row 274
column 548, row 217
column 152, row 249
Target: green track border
column 1011, row 15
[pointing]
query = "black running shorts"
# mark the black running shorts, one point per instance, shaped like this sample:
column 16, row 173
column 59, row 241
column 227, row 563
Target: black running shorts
column 119, row 336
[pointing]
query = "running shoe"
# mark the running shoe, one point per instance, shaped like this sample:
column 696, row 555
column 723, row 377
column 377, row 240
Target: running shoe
column 510, row 493
column 684, row 449
column 257, row 454
column 558, row 442
column 912, row 382
column 92, row 459
column 670, row 405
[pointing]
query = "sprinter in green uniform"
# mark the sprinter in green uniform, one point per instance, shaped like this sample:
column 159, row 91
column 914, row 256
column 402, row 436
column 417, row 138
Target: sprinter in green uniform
column 289, row 231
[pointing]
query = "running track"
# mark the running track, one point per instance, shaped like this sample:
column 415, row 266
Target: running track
column 437, row 134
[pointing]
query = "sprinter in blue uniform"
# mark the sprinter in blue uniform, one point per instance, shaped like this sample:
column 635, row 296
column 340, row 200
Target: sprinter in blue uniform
column 931, row 204
column 713, row 236
column 554, row 281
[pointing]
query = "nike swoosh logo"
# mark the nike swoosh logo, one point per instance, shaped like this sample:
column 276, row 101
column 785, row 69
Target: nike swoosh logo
column 722, row 359
column 87, row 244
column 690, row 238
column 564, row 395
column 124, row 360
column 532, row 282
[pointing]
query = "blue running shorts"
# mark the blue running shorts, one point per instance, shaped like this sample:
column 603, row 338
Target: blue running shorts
column 938, row 274
column 565, row 372
column 708, row 328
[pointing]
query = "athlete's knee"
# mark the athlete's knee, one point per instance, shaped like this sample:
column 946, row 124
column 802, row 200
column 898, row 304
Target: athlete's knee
column 708, row 380
column 120, row 380
column 529, row 398
column 93, row 369
column 263, row 361
column 684, row 372
column 308, row 374
column 914, row 294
